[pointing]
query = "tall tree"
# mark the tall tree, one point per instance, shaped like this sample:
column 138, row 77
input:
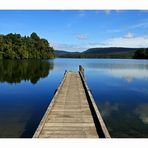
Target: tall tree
column 14, row 46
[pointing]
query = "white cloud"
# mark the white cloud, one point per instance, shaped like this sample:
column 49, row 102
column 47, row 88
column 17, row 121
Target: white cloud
column 68, row 47
column 129, row 35
column 114, row 30
column 141, row 24
column 110, row 11
column 127, row 40
column 82, row 37
column 107, row 12
column 81, row 13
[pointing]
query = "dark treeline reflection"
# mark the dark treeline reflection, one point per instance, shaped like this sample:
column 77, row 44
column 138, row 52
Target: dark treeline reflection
column 13, row 71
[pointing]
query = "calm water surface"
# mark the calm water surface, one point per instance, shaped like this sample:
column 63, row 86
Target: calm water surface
column 119, row 87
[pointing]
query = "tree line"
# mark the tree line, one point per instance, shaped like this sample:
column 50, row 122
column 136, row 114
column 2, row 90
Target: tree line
column 15, row 46
column 141, row 54
column 108, row 52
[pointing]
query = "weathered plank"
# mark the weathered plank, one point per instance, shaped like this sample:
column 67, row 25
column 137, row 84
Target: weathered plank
column 69, row 114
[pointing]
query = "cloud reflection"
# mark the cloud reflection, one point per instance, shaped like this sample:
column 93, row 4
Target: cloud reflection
column 108, row 108
column 128, row 72
column 142, row 112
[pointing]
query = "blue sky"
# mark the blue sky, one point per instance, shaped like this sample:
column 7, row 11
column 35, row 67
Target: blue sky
column 78, row 30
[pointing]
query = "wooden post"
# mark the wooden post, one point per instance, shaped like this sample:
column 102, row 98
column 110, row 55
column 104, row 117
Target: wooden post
column 65, row 72
column 81, row 70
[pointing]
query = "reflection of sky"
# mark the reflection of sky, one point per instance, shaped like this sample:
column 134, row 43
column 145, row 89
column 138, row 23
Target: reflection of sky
column 128, row 72
column 105, row 78
column 141, row 90
column 118, row 88
column 108, row 108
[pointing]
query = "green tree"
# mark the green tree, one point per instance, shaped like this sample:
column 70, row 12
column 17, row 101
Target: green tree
column 14, row 46
column 139, row 54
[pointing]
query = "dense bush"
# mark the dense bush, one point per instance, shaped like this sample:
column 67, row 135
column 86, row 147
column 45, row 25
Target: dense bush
column 141, row 54
column 14, row 46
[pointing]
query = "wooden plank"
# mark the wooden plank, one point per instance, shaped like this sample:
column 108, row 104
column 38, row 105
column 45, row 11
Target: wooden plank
column 69, row 114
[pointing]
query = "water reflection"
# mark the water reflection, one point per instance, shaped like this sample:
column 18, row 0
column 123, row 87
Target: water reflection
column 22, row 105
column 142, row 111
column 109, row 108
column 128, row 72
column 120, row 89
column 14, row 71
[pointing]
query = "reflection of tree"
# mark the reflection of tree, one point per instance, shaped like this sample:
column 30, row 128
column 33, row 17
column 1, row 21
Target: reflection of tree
column 13, row 71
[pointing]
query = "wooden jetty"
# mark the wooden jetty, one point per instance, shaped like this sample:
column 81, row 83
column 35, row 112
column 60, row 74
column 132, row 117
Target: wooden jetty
column 72, row 112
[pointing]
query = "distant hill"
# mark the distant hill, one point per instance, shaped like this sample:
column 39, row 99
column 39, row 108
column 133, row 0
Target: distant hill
column 108, row 52
column 66, row 54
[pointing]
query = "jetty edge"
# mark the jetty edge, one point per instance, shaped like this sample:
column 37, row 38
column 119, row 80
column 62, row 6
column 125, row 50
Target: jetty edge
column 72, row 112
column 99, row 122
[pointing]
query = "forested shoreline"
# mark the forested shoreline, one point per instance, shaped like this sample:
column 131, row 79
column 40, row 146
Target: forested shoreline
column 141, row 54
column 15, row 46
column 108, row 52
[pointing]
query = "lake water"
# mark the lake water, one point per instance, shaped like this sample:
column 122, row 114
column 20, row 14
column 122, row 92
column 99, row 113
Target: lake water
column 119, row 87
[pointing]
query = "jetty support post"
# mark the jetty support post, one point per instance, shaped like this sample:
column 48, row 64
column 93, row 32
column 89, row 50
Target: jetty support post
column 81, row 70
column 65, row 72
